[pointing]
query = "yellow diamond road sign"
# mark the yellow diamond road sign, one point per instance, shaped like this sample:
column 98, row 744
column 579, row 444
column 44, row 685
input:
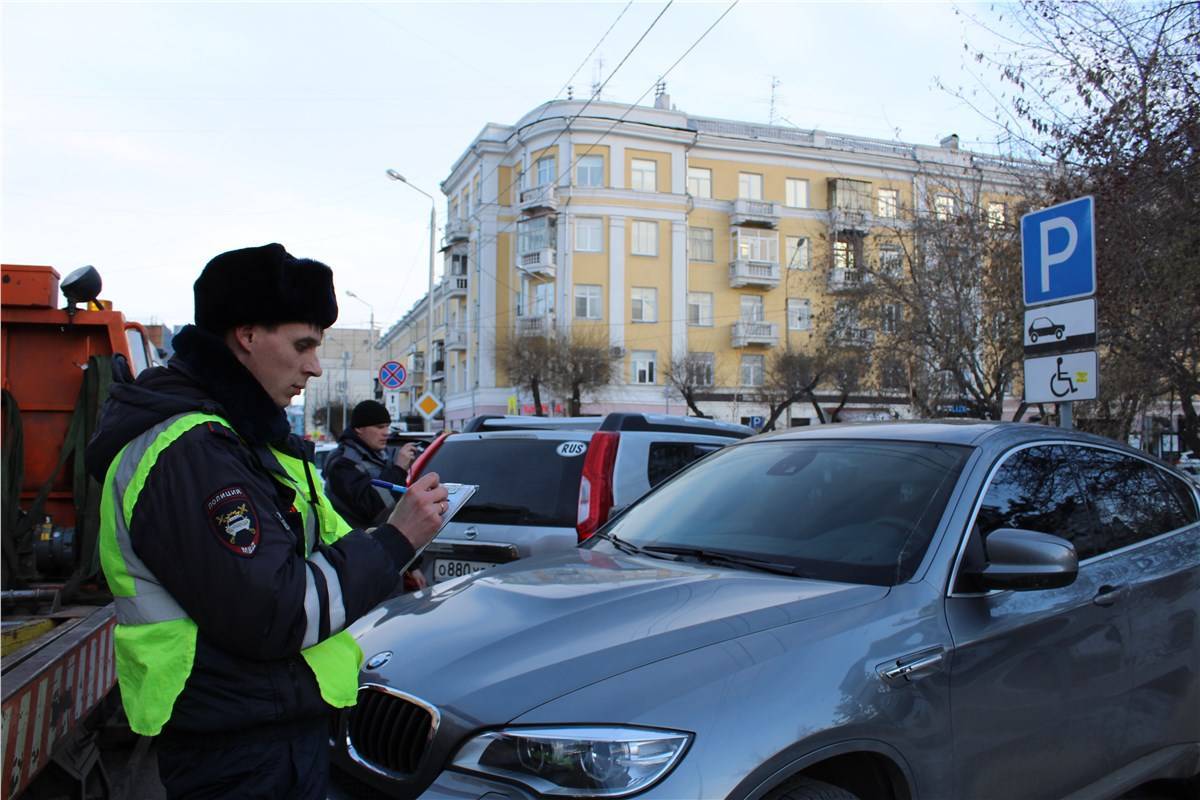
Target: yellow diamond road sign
column 428, row 405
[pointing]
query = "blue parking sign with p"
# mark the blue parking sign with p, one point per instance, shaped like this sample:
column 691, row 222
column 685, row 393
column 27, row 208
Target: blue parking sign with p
column 1058, row 252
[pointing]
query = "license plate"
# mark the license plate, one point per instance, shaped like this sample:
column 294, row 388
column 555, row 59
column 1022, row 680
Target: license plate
column 446, row 568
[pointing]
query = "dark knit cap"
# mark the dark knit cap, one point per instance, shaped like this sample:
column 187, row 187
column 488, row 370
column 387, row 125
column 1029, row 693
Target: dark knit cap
column 369, row 412
column 264, row 286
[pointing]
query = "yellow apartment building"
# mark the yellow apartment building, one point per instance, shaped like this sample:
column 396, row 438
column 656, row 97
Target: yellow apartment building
column 675, row 235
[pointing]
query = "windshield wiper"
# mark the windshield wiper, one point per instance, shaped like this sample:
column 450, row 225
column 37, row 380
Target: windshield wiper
column 624, row 546
column 726, row 559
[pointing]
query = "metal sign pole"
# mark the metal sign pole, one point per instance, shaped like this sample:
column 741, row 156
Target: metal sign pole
column 1064, row 415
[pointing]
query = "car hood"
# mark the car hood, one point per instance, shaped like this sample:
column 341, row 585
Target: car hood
column 489, row 647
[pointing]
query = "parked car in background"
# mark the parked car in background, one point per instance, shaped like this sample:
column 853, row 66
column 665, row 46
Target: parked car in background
column 878, row 611
column 547, row 483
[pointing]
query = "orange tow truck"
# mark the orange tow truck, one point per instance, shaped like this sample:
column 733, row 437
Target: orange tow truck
column 56, row 667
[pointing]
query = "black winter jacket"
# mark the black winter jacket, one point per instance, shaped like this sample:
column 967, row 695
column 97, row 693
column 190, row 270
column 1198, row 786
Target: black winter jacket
column 348, row 474
column 249, row 608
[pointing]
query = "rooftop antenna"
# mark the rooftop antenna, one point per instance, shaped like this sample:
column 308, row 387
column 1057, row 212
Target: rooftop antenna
column 570, row 92
column 598, row 74
column 775, row 82
column 660, row 89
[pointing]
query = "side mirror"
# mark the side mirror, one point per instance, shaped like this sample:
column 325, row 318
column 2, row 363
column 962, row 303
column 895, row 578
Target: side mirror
column 1023, row 560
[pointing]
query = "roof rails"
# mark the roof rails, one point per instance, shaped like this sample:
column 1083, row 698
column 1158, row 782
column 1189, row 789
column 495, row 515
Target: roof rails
column 623, row 421
column 616, row 421
column 498, row 422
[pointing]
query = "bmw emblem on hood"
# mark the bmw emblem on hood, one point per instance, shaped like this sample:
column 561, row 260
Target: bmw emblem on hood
column 379, row 659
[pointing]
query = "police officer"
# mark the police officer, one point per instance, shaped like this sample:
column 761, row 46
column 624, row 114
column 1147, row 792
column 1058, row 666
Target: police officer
column 233, row 577
column 360, row 457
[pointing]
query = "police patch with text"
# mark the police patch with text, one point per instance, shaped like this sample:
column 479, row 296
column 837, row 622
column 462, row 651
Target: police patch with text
column 232, row 518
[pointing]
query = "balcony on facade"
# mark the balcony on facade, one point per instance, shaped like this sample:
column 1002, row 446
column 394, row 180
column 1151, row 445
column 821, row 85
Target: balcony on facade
column 761, row 213
column 539, row 199
column 850, row 220
column 854, row 336
column 848, row 280
column 454, row 286
column 416, row 369
column 539, row 263
column 439, row 371
column 456, row 231
column 752, row 272
column 456, row 337
column 747, row 333
column 534, row 325
column 850, row 205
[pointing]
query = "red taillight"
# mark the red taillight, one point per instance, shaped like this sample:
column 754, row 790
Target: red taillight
column 596, row 484
column 423, row 459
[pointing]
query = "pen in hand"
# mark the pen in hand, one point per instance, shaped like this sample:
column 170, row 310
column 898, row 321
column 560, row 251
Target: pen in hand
column 395, row 487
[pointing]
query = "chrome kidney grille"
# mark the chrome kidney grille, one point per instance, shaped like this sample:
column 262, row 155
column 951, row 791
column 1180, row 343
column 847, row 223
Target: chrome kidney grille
column 389, row 732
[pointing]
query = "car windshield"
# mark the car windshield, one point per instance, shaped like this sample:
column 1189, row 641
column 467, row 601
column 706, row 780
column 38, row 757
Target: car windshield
column 850, row 511
column 522, row 481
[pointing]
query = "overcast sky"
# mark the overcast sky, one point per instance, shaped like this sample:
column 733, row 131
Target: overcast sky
column 144, row 138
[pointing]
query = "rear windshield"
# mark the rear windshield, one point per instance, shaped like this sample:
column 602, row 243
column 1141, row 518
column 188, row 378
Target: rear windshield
column 521, row 481
column 852, row 511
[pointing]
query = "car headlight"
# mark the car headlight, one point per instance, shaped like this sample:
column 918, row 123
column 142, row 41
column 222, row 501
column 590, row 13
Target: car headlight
column 595, row 761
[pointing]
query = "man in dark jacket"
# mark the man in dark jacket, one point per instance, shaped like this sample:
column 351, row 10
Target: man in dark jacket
column 233, row 578
column 360, row 457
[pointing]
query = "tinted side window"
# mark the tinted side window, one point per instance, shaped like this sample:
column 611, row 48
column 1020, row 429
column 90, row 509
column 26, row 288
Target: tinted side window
column 1131, row 502
column 1035, row 489
column 667, row 458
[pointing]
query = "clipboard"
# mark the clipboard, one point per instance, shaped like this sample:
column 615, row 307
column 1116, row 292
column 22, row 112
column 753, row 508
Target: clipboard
column 457, row 496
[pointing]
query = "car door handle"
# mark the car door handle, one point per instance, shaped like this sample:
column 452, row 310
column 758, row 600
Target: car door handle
column 907, row 669
column 1108, row 595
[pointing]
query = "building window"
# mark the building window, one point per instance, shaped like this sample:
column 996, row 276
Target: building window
column 519, row 300
column 755, row 245
column 887, row 203
column 797, row 252
column 587, row 301
column 890, row 261
column 996, row 216
column 545, row 171
column 797, row 192
column 848, row 195
column 699, row 309
column 752, row 308
column 645, row 238
column 589, row 234
column 843, row 256
column 943, row 207
column 799, row 314
column 753, row 369
column 700, row 244
column 893, row 375
column 700, row 369
column 644, row 175
column 535, row 234
column 699, row 182
column 750, row 186
column 589, row 171
column 642, row 363
column 543, row 299
column 645, row 304
column 891, row 318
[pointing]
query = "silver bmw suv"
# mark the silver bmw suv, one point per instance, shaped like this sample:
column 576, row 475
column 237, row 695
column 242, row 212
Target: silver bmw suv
column 547, row 483
column 971, row 611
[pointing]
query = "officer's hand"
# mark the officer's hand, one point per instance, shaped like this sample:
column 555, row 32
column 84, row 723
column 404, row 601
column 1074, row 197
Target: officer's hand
column 405, row 455
column 418, row 515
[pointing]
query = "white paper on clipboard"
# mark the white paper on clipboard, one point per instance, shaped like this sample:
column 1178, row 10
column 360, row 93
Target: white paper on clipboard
column 457, row 495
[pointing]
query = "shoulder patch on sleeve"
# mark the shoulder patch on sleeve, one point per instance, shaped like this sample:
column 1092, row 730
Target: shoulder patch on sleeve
column 233, row 520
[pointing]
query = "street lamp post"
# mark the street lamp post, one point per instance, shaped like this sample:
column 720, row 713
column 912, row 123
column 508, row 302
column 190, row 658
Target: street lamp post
column 370, row 341
column 396, row 176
